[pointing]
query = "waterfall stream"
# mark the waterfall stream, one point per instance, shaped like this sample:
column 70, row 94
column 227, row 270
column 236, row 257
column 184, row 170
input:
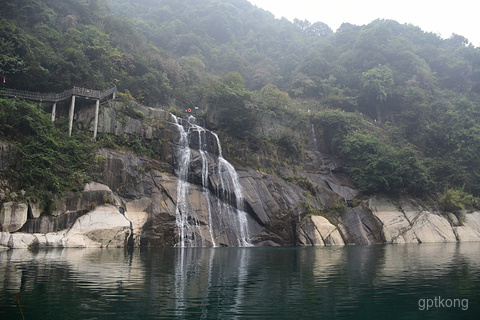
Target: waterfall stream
column 224, row 217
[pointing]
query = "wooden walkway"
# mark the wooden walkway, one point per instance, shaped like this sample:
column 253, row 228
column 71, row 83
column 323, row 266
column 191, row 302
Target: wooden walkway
column 56, row 97
column 80, row 92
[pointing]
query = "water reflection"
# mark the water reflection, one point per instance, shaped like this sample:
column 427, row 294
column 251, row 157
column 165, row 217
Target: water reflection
column 231, row 283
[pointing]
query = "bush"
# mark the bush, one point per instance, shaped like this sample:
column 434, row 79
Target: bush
column 455, row 200
column 48, row 160
column 377, row 166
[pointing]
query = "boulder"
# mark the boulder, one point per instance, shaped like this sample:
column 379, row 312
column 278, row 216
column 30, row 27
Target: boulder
column 21, row 240
column 104, row 226
column 13, row 216
column 34, row 210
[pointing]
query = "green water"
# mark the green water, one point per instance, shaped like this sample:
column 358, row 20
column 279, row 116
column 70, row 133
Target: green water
column 363, row 282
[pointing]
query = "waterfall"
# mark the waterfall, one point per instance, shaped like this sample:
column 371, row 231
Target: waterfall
column 225, row 216
column 202, row 142
column 238, row 216
column 313, row 139
column 186, row 233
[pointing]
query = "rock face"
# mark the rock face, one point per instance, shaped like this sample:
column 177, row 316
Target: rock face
column 406, row 222
column 190, row 195
column 380, row 220
column 13, row 216
column 318, row 231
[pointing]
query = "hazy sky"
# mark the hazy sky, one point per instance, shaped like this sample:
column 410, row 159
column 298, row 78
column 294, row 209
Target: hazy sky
column 443, row 17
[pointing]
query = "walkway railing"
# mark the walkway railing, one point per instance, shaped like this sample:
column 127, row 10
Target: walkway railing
column 55, row 97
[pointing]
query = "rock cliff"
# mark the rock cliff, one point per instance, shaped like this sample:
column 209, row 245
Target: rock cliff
column 187, row 193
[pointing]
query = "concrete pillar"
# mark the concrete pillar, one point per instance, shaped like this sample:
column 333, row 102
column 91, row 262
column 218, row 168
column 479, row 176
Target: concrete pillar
column 95, row 125
column 70, row 116
column 54, row 110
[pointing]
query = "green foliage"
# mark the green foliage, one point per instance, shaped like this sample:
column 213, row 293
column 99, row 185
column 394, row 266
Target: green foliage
column 377, row 166
column 419, row 87
column 455, row 200
column 289, row 142
column 334, row 125
column 378, row 82
column 47, row 160
column 228, row 99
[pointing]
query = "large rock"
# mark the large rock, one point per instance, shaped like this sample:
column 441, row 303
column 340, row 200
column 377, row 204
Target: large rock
column 70, row 208
column 13, row 216
column 34, row 210
column 21, row 240
column 104, row 226
column 318, row 231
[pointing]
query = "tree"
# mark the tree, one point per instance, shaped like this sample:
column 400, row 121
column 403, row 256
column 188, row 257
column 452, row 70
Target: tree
column 10, row 39
column 227, row 99
column 378, row 167
column 270, row 97
column 378, row 84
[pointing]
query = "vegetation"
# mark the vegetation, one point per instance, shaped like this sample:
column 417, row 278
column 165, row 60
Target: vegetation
column 455, row 200
column 47, row 161
column 400, row 107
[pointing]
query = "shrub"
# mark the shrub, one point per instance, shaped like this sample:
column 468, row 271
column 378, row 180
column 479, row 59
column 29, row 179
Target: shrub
column 455, row 200
column 377, row 166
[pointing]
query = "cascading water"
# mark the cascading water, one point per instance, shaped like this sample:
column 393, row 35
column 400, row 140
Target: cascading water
column 313, row 139
column 202, row 142
column 237, row 215
column 225, row 217
column 186, row 232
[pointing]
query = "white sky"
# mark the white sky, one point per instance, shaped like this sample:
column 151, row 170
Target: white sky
column 442, row 17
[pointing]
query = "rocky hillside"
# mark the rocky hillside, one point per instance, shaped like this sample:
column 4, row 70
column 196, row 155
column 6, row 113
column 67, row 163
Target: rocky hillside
column 179, row 189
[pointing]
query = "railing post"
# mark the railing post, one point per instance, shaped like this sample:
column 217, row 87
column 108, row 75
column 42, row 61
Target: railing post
column 95, row 125
column 70, row 115
column 54, row 109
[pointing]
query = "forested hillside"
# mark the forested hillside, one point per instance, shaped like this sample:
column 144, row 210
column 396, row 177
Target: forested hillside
column 400, row 107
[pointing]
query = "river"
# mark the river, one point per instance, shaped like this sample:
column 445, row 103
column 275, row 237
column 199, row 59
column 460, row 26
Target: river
column 421, row 281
